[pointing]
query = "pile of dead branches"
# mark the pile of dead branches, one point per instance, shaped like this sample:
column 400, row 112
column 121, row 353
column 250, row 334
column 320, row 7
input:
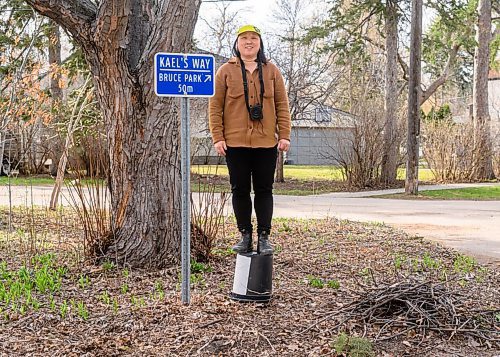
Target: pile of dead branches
column 402, row 307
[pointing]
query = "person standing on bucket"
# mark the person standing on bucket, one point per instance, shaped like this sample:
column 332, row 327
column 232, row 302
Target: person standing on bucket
column 249, row 119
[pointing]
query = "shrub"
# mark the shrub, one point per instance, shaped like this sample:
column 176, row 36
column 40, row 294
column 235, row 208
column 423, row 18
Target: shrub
column 448, row 148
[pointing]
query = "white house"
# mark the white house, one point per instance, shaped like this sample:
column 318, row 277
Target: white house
column 316, row 136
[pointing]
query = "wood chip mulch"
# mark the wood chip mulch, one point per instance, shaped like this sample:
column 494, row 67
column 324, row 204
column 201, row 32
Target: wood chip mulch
column 407, row 296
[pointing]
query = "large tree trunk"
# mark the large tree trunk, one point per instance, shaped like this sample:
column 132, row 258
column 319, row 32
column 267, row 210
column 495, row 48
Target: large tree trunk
column 414, row 93
column 483, row 167
column 391, row 142
column 119, row 40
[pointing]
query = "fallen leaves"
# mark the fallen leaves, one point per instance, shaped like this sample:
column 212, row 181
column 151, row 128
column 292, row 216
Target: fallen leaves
column 360, row 257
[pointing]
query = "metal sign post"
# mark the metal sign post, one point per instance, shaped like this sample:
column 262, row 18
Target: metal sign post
column 186, row 213
column 184, row 75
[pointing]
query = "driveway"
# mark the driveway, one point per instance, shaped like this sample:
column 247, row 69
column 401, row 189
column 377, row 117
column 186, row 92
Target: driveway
column 472, row 227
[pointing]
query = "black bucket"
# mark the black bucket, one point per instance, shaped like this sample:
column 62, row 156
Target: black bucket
column 253, row 278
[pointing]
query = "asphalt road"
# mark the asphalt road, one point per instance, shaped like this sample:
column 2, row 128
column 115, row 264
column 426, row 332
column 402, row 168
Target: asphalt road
column 471, row 227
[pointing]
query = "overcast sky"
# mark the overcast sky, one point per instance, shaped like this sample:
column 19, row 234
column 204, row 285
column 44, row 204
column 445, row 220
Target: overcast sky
column 260, row 13
column 255, row 12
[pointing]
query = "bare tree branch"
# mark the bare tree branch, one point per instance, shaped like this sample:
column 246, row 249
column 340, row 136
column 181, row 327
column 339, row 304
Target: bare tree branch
column 444, row 75
column 440, row 80
column 496, row 32
column 18, row 78
column 221, row 28
column 404, row 67
column 496, row 7
column 402, row 63
column 74, row 15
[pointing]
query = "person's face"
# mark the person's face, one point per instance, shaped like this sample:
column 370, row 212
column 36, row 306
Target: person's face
column 248, row 44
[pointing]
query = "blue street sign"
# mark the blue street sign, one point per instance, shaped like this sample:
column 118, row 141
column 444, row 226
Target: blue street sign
column 184, row 75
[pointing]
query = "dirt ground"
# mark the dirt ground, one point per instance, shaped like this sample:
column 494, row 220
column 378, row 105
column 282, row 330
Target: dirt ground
column 324, row 272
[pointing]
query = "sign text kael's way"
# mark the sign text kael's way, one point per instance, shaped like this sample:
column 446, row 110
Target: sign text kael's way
column 169, row 64
column 179, row 74
column 183, row 63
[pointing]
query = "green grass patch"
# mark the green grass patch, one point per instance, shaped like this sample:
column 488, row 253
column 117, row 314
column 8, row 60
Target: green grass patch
column 301, row 192
column 27, row 181
column 28, row 287
column 471, row 193
column 319, row 283
column 294, row 171
column 297, row 172
column 486, row 193
column 425, row 175
column 42, row 181
column 353, row 346
column 302, row 172
column 307, row 173
column 210, row 170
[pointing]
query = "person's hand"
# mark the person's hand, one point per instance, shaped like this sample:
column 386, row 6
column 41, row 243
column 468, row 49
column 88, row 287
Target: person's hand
column 283, row 145
column 220, row 147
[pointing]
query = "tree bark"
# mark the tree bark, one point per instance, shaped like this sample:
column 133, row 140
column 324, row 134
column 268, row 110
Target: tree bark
column 54, row 37
column 411, row 184
column 55, row 144
column 391, row 142
column 483, row 166
column 280, row 177
column 61, row 169
column 119, row 40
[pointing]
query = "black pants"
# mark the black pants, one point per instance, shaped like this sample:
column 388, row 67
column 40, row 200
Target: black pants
column 246, row 166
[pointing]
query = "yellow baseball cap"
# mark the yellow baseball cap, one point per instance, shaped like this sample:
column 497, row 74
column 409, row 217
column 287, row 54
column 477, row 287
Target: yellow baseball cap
column 248, row 28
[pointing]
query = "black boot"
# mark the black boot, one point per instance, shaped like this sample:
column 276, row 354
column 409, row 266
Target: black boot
column 263, row 246
column 245, row 244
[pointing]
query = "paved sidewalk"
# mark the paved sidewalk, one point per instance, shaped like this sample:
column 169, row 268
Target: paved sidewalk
column 472, row 227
